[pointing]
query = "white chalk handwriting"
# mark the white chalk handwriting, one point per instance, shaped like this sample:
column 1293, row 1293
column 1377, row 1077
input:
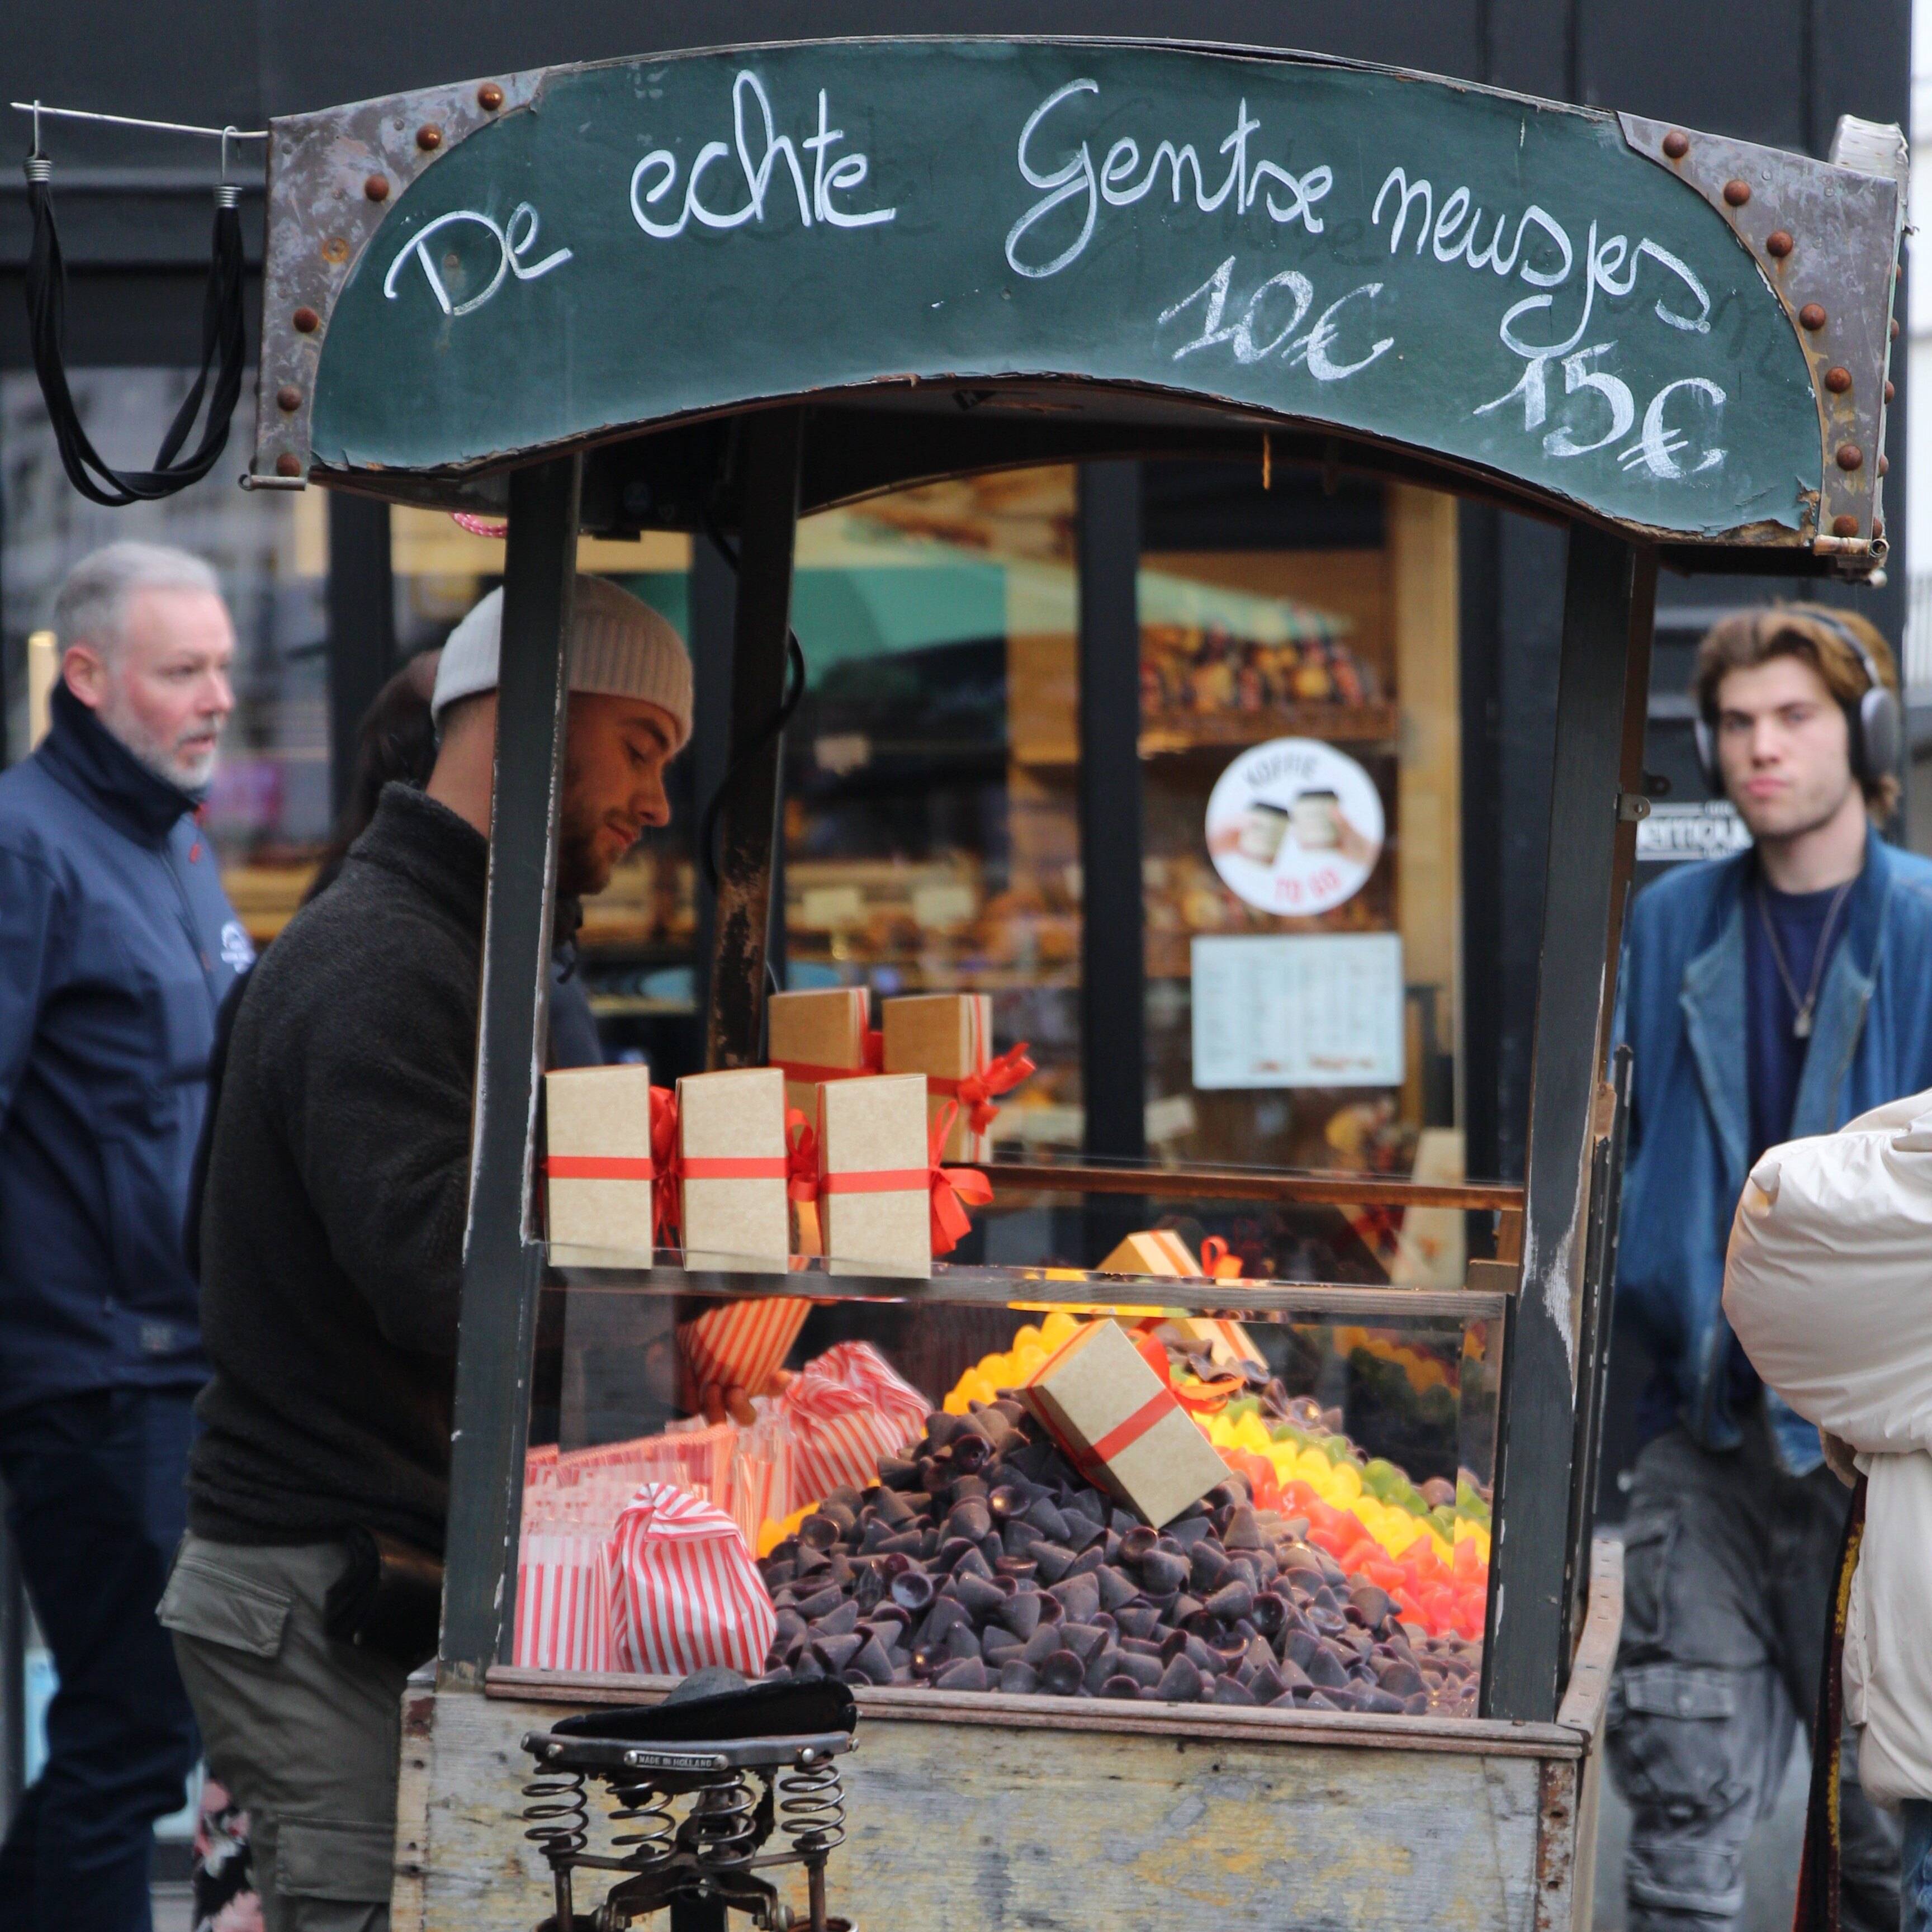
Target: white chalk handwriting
column 1289, row 293
column 848, row 172
column 1119, row 182
column 511, row 250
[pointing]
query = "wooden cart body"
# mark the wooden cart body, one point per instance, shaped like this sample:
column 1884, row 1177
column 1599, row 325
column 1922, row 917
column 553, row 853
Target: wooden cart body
column 715, row 289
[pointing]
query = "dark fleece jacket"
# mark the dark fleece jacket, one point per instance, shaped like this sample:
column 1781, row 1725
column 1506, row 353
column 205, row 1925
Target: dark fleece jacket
column 337, row 1181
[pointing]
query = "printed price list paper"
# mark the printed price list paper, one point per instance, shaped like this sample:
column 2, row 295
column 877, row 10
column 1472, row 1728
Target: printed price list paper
column 1314, row 1010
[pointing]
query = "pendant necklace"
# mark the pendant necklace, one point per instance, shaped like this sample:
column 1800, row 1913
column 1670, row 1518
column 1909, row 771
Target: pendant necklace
column 1801, row 1026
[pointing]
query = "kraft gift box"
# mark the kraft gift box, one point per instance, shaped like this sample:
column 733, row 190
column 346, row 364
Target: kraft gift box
column 875, row 1183
column 814, row 1037
column 597, row 1159
column 1120, row 1425
column 946, row 1036
column 731, row 1145
column 1154, row 1251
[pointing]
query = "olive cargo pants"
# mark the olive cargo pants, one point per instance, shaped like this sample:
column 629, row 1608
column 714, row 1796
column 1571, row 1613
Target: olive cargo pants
column 304, row 1731
column 1729, row 1568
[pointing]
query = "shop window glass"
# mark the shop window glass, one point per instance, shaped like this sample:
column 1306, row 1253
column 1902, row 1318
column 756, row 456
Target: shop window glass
column 268, row 813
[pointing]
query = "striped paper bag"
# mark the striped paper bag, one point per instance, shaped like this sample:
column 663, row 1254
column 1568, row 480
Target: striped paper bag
column 845, row 1410
column 763, row 1478
column 684, row 1593
column 563, row 1602
column 739, row 1344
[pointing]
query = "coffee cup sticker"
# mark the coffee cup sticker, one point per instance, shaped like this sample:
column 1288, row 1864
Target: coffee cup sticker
column 1294, row 827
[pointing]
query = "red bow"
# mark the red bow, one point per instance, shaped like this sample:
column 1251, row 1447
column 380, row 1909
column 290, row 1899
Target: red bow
column 1216, row 1263
column 951, row 1186
column 801, row 1157
column 667, row 1194
column 874, row 1056
column 976, row 1091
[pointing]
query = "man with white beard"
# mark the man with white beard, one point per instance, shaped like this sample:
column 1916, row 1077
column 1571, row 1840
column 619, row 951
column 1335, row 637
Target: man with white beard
column 117, row 946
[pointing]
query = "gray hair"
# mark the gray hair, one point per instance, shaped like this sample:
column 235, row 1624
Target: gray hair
column 91, row 607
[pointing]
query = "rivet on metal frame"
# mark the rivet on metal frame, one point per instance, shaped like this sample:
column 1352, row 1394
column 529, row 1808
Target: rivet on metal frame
column 489, row 96
column 1894, row 336
column 1737, row 193
column 287, row 465
column 288, row 397
column 1844, row 527
column 1884, row 464
column 429, row 138
column 1838, row 379
column 335, row 249
column 1677, row 144
column 1778, row 244
column 306, row 320
column 377, row 188
column 1888, row 390
column 1811, row 317
column 1850, row 456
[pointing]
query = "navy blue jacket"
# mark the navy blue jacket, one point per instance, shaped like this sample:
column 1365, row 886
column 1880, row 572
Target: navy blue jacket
column 1681, row 1005
column 116, row 945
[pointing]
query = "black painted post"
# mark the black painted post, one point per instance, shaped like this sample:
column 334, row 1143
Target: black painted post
column 774, row 442
column 1610, row 597
column 714, row 595
column 1113, row 970
column 362, row 626
column 503, row 1263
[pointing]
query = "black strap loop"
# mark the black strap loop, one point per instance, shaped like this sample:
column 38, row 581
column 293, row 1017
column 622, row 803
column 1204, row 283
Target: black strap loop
column 222, row 337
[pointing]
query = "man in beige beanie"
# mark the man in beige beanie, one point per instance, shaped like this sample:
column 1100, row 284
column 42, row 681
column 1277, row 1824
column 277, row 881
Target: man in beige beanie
column 331, row 1241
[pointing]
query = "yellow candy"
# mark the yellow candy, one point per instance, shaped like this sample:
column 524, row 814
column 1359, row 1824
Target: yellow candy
column 1028, row 1361
column 1055, row 1329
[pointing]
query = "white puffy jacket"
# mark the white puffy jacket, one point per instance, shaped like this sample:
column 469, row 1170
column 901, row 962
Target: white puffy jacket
column 1828, row 1286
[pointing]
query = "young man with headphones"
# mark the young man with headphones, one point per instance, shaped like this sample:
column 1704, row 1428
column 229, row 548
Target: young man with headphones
column 1775, row 994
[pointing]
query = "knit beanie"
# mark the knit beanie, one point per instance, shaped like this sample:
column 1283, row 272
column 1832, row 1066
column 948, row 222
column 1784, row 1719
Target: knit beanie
column 619, row 646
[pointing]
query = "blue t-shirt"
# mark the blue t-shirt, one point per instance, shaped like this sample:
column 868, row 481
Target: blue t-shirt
column 1773, row 1054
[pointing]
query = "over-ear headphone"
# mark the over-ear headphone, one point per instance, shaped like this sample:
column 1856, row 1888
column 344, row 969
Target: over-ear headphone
column 1874, row 723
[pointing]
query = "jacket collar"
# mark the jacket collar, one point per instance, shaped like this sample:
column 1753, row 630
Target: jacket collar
column 1713, row 999
column 444, row 857
column 91, row 763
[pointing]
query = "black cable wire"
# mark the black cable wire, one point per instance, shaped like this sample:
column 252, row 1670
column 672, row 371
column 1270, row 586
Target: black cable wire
column 224, row 351
column 773, row 727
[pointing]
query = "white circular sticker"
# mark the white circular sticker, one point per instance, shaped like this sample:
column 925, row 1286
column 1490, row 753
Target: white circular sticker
column 1294, row 826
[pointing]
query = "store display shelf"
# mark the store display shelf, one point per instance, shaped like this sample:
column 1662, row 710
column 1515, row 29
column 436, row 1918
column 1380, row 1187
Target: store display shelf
column 1167, row 733
column 593, row 1270
column 1324, row 1187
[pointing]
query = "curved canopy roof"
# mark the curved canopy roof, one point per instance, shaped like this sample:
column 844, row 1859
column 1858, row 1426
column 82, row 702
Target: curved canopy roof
column 969, row 252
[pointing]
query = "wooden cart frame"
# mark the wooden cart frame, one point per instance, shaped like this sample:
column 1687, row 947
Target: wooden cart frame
column 980, row 266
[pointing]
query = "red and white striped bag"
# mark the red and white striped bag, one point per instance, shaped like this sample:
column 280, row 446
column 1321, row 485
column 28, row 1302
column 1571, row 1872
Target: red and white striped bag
column 739, row 1345
column 846, row 1410
column 684, row 1590
column 763, row 1482
column 563, row 1602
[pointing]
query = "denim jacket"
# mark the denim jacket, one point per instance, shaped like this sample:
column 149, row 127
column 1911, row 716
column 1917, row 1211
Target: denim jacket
column 1680, row 1006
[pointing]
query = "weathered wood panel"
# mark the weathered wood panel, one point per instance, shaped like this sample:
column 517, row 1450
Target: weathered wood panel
column 1062, row 1818
column 1053, row 1831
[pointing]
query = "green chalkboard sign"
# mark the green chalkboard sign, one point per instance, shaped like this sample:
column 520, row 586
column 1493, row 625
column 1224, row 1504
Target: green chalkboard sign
column 1501, row 283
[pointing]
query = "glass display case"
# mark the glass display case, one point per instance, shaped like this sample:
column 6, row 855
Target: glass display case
column 919, row 1512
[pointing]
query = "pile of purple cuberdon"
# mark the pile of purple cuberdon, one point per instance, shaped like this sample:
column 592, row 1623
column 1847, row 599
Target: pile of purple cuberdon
column 981, row 1560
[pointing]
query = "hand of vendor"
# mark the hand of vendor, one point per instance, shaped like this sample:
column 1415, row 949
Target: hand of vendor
column 717, row 1399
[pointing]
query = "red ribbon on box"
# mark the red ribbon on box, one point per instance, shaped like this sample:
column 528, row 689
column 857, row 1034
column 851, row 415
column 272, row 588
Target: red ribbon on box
column 667, row 1197
column 872, row 1061
column 977, row 1091
column 947, row 1187
column 801, row 1157
column 595, row 1167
